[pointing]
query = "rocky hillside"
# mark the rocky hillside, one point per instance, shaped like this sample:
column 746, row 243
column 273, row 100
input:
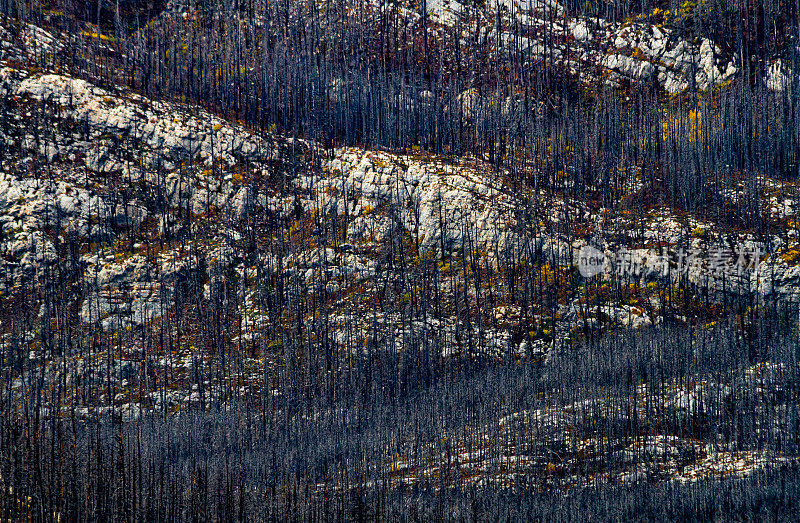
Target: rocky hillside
column 158, row 260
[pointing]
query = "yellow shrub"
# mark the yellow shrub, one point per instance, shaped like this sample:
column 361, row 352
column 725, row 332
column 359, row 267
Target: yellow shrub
column 791, row 256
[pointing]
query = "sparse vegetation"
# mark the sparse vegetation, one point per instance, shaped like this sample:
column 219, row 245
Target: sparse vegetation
column 313, row 260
